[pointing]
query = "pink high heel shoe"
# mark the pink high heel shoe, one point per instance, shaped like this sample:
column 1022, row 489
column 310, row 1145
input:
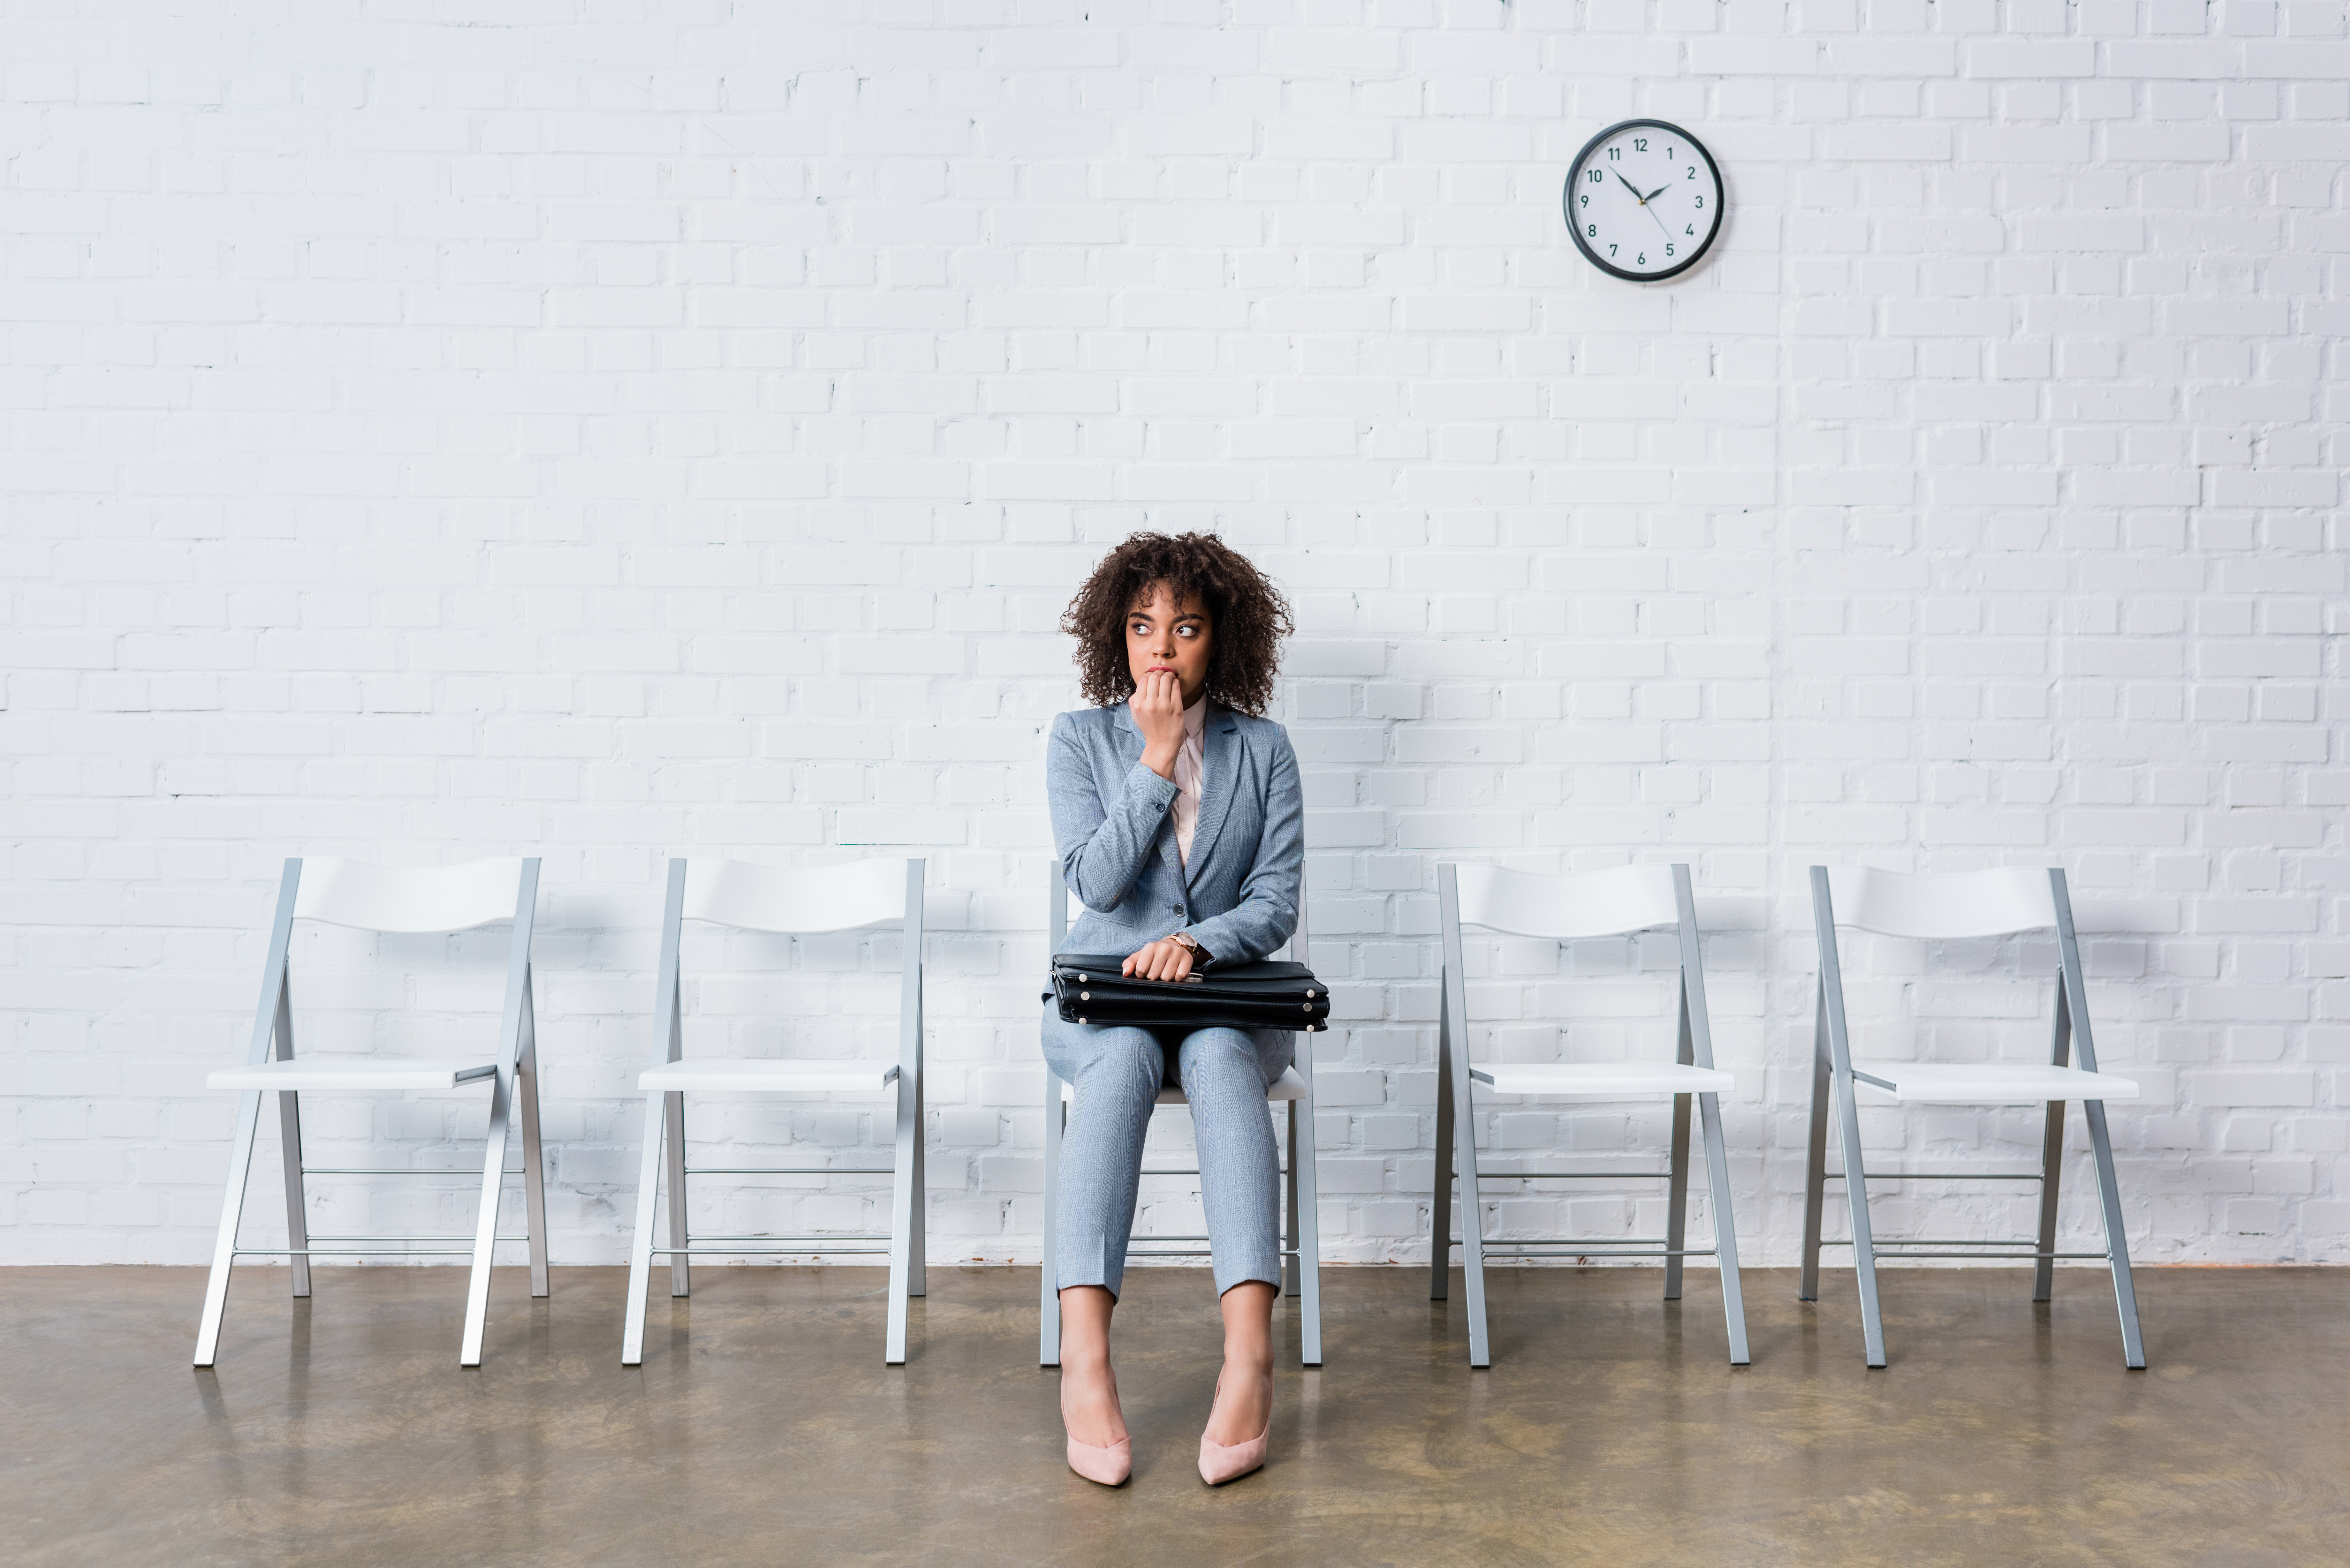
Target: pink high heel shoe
column 1109, row 1466
column 1218, row 1464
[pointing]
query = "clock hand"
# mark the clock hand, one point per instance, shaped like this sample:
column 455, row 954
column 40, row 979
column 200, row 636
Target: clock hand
column 1660, row 223
column 1634, row 188
column 1654, row 194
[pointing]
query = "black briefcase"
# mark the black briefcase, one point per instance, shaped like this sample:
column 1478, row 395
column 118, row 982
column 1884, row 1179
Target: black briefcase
column 1265, row 995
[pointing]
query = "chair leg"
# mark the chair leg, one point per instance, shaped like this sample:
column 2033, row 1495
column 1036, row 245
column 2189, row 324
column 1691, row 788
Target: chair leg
column 1725, row 1233
column 533, row 1169
column 1864, row 1244
column 1815, row 1165
column 1440, row 1194
column 1306, row 1214
column 640, row 1244
column 1473, row 1218
column 1049, row 1296
column 681, row 1276
column 904, row 1200
column 297, row 1210
column 1677, row 1200
column 1289, row 1196
column 485, row 1223
column 2052, row 1154
column 240, row 1164
column 2109, row 1198
column 918, row 1281
column 2052, row 1169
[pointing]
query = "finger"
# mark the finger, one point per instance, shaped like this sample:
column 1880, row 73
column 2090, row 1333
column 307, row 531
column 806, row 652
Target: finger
column 1127, row 967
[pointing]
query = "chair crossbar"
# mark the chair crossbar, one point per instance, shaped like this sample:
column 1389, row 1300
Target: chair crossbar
column 1576, row 1250
column 1881, row 1244
column 1942, row 1176
column 785, row 1236
column 501, row 1237
column 400, row 1170
column 1887, row 1250
column 731, row 1251
column 791, row 1170
column 361, row 1252
column 1574, row 1174
column 1581, row 1241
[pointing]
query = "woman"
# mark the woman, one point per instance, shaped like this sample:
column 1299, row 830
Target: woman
column 1179, row 820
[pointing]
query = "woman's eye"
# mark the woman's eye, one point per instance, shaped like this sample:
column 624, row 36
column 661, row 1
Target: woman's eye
column 1187, row 631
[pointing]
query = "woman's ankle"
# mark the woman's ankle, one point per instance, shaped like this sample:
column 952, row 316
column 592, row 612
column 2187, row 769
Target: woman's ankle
column 1249, row 1358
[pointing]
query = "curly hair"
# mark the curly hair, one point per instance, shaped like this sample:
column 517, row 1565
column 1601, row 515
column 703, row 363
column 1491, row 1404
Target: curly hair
column 1247, row 615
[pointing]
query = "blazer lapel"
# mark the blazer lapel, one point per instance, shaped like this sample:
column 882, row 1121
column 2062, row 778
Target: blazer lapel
column 1219, row 759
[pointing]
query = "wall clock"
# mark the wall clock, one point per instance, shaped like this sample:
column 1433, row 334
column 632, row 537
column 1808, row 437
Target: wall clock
column 1644, row 201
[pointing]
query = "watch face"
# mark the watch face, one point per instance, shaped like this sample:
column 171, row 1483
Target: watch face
column 1643, row 200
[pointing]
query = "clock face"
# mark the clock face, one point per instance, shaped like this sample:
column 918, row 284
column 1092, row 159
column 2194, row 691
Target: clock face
column 1644, row 200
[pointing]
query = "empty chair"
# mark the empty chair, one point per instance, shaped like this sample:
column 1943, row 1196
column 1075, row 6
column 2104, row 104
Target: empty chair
column 1931, row 908
column 865, row 893
column 1569, row 908
column 379, row 898
column 1302, row 1248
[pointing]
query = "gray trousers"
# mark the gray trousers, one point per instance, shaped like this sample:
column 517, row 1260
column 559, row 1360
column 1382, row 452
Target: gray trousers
column 1118, row 1071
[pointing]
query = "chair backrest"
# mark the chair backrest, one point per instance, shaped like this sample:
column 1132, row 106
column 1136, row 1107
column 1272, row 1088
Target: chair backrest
column 390, row 899
column 1947, row 904
column 800, row 902
column 1594, row 904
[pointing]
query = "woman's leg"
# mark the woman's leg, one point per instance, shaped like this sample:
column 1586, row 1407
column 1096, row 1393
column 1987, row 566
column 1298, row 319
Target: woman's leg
column 1224, row 1073
column 1117, row 1073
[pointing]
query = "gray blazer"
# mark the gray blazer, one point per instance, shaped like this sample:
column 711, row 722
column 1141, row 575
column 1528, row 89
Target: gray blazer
column 1113, row 825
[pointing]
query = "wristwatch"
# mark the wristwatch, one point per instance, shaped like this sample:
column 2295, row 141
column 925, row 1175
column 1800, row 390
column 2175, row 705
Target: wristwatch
column 1191, row 944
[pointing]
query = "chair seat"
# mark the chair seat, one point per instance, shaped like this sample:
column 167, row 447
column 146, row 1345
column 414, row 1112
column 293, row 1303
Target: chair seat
column 1989, row 1083
column 1288, row 1087
column 1602, row 1080
column 352, row 1074
column 763, row 1076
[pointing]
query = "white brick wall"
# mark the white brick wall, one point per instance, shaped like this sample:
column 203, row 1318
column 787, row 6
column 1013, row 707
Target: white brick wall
column 654, row 426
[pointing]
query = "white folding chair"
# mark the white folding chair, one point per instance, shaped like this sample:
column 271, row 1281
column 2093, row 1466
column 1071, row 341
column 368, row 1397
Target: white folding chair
column 1944, row 908
column 1569, row 908
column 865, row 893
column 380, row 898
column 1300, row 1251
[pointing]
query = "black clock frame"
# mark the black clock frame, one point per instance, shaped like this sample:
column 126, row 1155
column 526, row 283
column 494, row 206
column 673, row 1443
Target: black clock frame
column 1575, row 231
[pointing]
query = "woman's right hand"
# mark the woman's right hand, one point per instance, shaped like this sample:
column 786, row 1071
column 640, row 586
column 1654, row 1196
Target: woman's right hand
column 1157, row 709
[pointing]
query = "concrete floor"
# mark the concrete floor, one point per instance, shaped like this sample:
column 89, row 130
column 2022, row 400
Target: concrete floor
column 764, row 1427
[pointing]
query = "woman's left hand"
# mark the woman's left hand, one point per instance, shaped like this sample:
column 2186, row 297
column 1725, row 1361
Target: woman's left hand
column 1162, row 959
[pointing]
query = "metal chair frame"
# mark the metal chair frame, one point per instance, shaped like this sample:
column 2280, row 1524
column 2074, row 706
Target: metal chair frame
column 514, row 1077
column 1302, row 1248
column 1833, row 1084
column 665, row 1149
column 1456, row 1135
